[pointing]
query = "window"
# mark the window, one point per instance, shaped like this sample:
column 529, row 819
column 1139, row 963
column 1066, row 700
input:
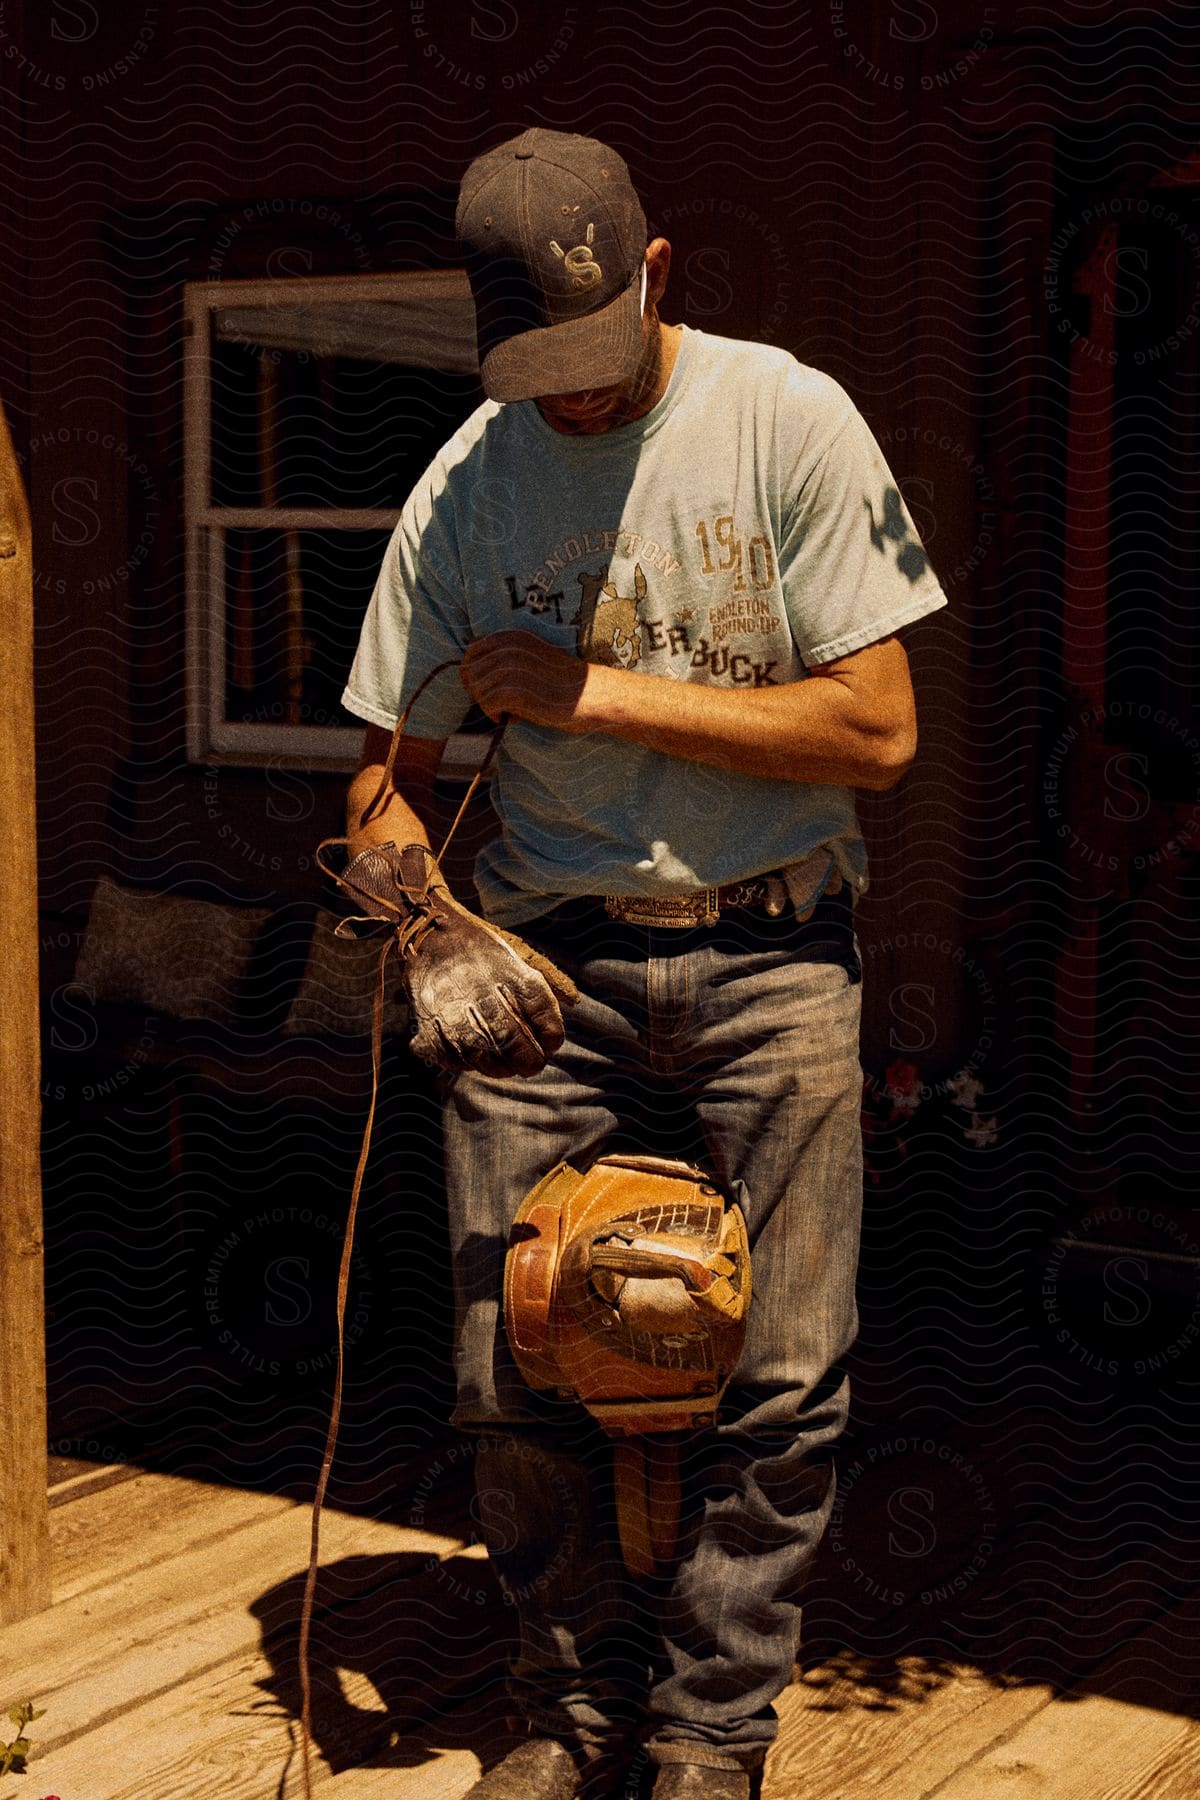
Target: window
column 311, row 406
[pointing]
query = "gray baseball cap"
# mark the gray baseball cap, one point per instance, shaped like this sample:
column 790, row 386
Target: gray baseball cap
column 554, row 239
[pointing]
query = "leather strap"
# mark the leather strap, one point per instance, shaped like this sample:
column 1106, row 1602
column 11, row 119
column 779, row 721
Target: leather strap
column 343, row 1284
column 646, row 1479
column 335, row 1415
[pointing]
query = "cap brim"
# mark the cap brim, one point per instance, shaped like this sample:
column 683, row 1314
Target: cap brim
column 600, row 350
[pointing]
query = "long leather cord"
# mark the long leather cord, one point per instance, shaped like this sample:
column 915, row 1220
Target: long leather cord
column 343, row 1284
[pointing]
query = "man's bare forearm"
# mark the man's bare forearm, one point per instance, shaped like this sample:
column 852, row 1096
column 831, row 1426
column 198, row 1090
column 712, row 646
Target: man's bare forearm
column 810, row 730
column 403, row 811
column 852, row 724
column 392, row 819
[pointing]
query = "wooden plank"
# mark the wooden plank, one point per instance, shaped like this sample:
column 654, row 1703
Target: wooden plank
column 218, row 1733
column 217, row 1728
column 407, row 1636
column 908, row 1722
column 898, row 1700
column 1126, row 1732
column 298, row 518
column 24, row 1512
column 853, row 1725
column 1091, row 1749
column 217, row 1585
column 197, row 491
column 190, row 1609
column 219, row 1685
column 147, row 1520
column 463, row 1742
column 147, row 1620
column 158, row 1516
column 918, row 1727
column 847, row 1727
column 307, row 290
column 82, row 1482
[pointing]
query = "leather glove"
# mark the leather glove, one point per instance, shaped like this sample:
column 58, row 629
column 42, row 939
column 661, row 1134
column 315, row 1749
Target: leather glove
column 480, row 998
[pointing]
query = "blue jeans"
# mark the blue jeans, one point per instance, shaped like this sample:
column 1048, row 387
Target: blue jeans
column 736, row 1043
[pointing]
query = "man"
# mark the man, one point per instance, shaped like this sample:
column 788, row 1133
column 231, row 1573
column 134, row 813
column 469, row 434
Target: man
column 676, row 565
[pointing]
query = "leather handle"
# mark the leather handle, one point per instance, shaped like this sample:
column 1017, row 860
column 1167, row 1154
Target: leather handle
column 658, row 1265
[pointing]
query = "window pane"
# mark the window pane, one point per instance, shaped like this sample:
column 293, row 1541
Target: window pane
column 294, row 604
column 296, row 428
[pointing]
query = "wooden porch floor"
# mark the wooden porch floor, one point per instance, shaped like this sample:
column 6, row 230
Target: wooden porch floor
column 166, row 1668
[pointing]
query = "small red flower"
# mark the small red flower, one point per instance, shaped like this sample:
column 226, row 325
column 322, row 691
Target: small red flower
column 903, row 1078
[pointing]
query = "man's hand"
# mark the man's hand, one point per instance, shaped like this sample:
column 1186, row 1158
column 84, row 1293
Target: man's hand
column 516, row 673
column 479, row 997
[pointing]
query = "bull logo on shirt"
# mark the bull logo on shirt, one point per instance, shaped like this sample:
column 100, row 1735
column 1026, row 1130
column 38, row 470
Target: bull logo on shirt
column 606, row 626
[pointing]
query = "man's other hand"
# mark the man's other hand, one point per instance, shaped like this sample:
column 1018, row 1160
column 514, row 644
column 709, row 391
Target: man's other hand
column 516, row 673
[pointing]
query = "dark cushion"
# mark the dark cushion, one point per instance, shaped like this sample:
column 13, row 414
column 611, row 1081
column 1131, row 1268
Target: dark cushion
column 337, row 993
column 185, row 958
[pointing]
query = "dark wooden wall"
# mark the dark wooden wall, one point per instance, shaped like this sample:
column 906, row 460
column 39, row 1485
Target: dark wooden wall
column 875, row 188
column 879, row 189
column 822, row 185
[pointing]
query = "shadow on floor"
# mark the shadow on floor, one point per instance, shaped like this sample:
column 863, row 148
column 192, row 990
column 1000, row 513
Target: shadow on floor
column 966, row 1554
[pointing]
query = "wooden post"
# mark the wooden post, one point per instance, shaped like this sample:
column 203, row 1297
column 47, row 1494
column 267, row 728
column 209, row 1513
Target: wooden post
column 24, row 1513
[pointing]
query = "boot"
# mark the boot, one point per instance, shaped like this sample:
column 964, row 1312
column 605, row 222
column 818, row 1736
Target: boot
column 692, row 1781
column 538, row 1769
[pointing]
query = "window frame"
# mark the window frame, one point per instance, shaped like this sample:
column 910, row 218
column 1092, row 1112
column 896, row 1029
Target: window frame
column 213, row 739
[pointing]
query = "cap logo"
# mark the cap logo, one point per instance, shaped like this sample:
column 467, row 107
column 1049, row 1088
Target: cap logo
column 579, row 263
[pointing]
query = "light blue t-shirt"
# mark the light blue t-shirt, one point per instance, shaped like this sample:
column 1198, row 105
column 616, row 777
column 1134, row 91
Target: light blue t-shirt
column 745, row 529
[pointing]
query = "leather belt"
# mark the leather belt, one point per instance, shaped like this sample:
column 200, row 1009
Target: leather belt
column 684, row 911
column 804, row 884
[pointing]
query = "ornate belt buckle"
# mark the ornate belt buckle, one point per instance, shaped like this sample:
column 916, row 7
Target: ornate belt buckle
column 679, row 914
column 746, row 893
